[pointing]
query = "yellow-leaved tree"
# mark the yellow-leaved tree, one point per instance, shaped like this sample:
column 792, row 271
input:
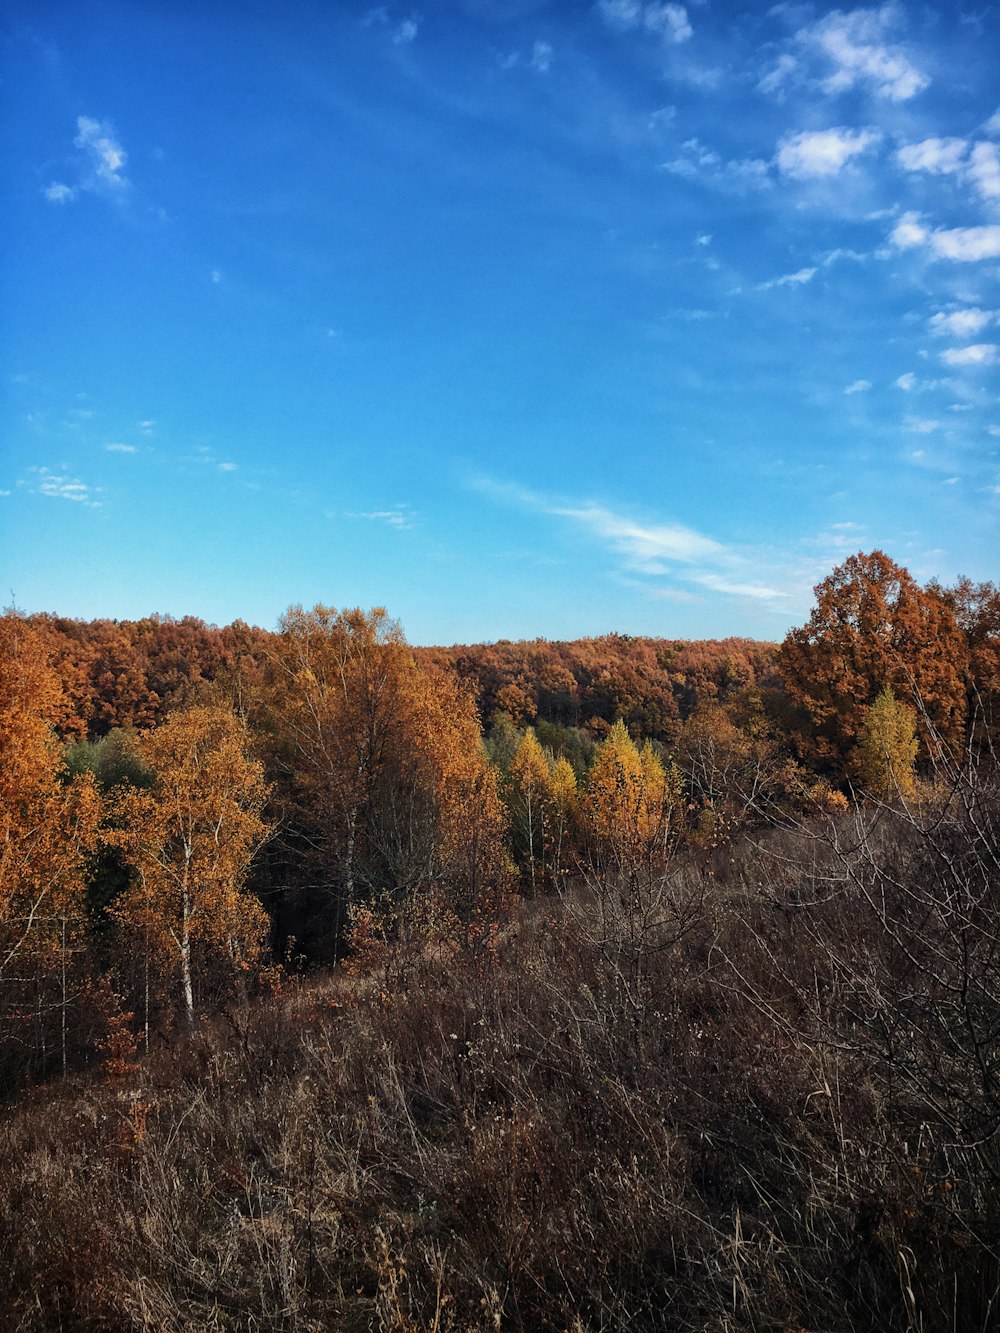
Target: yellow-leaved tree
column 190, row 839
column 888, row 748
column 629, row 800
column 529, row 775
column 562, row 804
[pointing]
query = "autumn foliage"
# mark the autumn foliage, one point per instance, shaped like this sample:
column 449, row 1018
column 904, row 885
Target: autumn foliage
column 874, row 628
column 623, row 984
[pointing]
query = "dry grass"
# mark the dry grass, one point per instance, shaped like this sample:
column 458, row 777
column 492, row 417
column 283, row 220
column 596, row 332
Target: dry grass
column 657, row 1107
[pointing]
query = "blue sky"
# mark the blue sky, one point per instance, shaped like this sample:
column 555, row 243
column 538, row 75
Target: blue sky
column 516, row 318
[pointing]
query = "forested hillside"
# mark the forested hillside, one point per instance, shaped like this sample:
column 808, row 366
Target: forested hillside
column 620, row 983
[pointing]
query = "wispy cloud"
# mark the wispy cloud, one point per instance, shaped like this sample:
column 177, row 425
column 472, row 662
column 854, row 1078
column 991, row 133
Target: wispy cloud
column 698, row 161
column 668, row 21
column 100, row 164
column 653, row 550
column 61, row 486
column 406, row 32
column 402, row 32
column 812, row 154
column 106, row 155
column 121, row 448
column 922, row 425
column 907, row 382
column 57, row 193
column 400, row 517
column 798, row 279
column 539, row 59
column 859, row 386
column 854, row 50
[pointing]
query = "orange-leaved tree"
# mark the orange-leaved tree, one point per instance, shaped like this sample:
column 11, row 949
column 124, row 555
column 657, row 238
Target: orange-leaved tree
column 48, row 825
column 387, row 789
column 873, row 626
column 190, row 839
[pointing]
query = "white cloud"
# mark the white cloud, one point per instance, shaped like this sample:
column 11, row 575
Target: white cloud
column 804, row 275
column 216, row 276
column 941, row 156
column 62, row 487
column 909, row 232
column 907, row 382
column 992, row 126
column 668, row 21
column 978, row 354
column 121, row 448
column 855, row 45
column 984, row 170
column 227, row 467
column 859, row 386
column 818, row 153
column 964, row 323
column 147, row 427
column 105, row 154
column 703, row 238
column 979, row 167
column 99, row 167
column 965, row 244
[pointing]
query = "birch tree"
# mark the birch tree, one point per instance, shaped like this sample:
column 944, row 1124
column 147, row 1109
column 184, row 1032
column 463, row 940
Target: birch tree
column 190, row 839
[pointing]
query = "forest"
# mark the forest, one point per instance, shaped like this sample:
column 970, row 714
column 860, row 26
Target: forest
column 623, row 983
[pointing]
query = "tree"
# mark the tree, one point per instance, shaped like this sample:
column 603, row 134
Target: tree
column 629, row 800
column 562, row 800
column 190, row 838
column 873, row 627
column 888, row 748
column 976, row 608
column 529, row 774
column 48, row 826
column 386, row 785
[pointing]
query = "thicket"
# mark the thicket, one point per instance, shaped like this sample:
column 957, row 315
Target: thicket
column 624, row 1032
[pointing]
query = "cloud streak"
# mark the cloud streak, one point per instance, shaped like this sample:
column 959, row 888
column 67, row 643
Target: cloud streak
column 653, row 550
